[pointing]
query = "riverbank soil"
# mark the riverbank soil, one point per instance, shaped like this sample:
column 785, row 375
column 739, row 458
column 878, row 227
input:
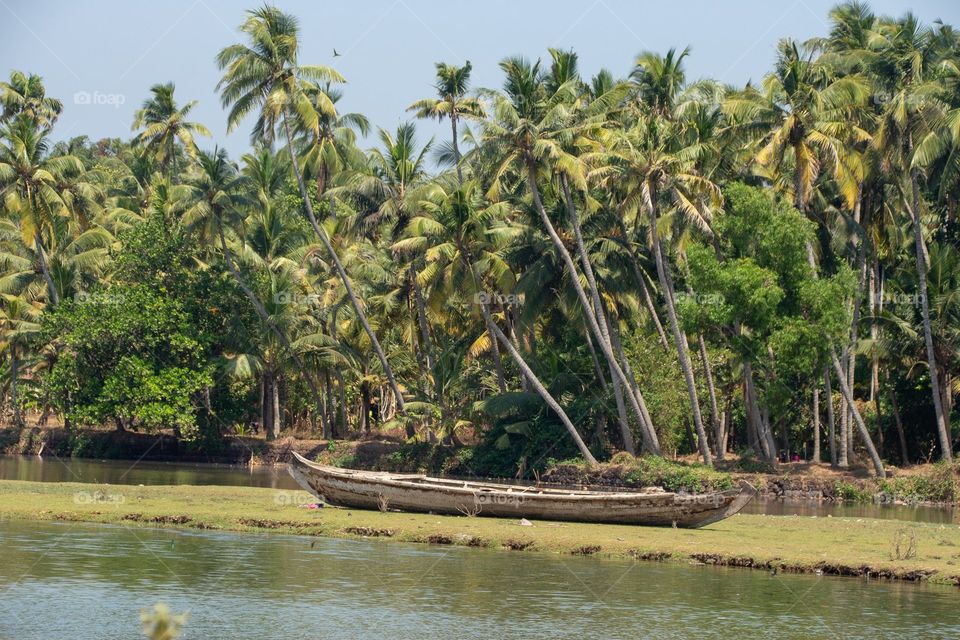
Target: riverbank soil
column 834, row 546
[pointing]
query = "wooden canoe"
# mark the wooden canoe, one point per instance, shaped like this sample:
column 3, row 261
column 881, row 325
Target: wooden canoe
column 420, row 493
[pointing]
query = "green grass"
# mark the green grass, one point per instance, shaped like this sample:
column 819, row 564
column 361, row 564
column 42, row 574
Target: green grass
column 846, row 546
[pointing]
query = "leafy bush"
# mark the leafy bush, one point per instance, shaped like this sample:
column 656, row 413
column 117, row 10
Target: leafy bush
column 939, row 485
column 849, row 491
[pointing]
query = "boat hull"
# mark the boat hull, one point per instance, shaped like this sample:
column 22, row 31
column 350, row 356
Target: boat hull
column 418, row 493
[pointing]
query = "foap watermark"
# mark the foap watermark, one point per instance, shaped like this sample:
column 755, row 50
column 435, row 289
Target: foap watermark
column 481, row 499
column 297, row 299
column 97, row 298
column 99, row 99
column 511, row 299
column 889, row 299
column 700, row 299
column 98, row 497
column 293, row 499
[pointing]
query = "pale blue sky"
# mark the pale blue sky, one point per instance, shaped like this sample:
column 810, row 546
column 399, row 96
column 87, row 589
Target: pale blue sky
column 116, row 49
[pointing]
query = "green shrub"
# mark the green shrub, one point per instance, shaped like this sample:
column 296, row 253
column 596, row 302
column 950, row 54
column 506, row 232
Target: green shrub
column 849, row 491
column 937, row 485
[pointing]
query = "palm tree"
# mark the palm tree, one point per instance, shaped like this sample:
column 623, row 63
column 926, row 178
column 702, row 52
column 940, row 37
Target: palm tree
column 332, row 146
column 652, row 163
column 24, row 95
column 165, row 126
column 452, row 102
column 213, row 197
column 905, row 66
column 266, row 77
column 28, row 178
column 457, row 234
column 526, row 135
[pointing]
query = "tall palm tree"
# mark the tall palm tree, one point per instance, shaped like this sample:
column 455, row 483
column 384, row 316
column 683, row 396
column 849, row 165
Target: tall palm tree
column 905, row 65
column 798, row 117
column 653, row 164
column 331, row 147
column 526, row 134
column 451, row 102
column 165, row 127
column 264, row 76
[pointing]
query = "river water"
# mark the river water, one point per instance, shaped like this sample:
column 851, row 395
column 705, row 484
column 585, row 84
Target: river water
column 52, row 469
column 86, row 582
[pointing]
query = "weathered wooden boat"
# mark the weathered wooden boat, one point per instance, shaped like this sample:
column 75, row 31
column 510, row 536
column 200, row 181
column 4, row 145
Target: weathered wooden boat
column 420, row 493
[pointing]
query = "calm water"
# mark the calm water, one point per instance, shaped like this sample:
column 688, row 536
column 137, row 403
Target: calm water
column 89, row 582
column 51, row 469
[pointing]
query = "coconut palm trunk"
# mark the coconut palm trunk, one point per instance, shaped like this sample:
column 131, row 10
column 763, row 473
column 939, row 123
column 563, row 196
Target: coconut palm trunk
column 666, row 283
column 857, row 418
column 265, row 318
column 45, row 268
column 650, row 437
column 537, row 385
column 341, row 272
column 715, row 421
column 847, row 394
column 456, row 145
column 14, row 395
column 831, row 424
column 598, row 310
column 816, row 423
column 642, row 284
column 946, row 448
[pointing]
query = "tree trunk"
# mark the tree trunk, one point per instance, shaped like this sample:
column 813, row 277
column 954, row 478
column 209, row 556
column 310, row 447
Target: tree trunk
column 14, row 381
column 626, row 435
column 946, row 447
column 45, row 268
column 714, row 410
column 644, row 289
column 531, row 377
column 266, row 402
column 456, row 145
column 666, row 283
column 763, row 437
column 341, row 272
column 650, row 436
column 275, row 405
column 848, row 396
column 494, row 347
column 904, row 452
column 831, row 424
column 816, row 423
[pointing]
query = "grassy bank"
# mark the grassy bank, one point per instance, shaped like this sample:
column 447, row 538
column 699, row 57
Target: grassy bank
column 841, row 546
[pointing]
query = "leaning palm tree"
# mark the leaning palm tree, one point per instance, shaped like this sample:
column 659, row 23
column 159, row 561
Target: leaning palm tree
column 654, row 164
column 452, row 102
column 165, row 127
column 526, row 136
column 456, row 235
column 264, row 76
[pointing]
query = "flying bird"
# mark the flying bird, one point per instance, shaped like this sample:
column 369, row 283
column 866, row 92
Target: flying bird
column 336, row 54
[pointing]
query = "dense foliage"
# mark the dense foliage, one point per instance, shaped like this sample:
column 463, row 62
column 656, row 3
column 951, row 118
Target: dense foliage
column 599, row 264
